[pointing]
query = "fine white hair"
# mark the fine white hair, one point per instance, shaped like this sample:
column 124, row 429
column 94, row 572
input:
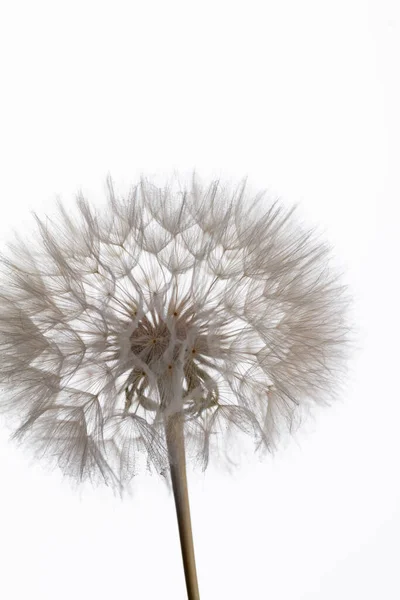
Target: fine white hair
column 203, row 301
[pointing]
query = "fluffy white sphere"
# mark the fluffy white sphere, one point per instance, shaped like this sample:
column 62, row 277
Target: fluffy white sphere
column 203, row 302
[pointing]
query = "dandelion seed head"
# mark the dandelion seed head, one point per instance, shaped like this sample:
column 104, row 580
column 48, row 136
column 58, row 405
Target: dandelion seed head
column 205, row 302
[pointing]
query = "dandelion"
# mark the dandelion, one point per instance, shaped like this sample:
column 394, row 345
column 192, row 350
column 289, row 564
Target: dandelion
column 160, row 325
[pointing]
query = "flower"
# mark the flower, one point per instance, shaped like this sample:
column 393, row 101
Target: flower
column 202, row 302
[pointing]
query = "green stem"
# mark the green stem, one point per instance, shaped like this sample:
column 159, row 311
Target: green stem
column 177, row 461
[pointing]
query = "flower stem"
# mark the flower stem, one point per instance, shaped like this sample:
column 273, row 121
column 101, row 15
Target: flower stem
column 177, row 461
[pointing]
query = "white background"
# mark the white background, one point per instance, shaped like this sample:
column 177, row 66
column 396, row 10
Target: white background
column 303, row 98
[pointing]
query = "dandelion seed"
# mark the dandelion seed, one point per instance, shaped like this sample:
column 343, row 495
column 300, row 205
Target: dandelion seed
column 146, row 328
